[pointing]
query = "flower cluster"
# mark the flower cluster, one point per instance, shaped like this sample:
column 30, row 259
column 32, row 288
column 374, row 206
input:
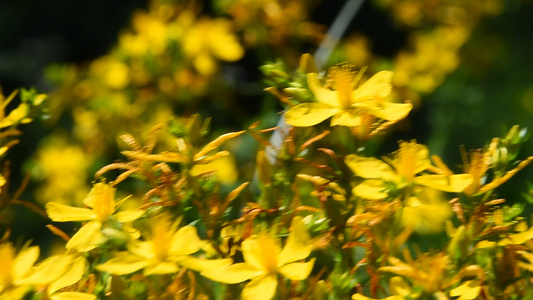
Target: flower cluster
column 183, row 208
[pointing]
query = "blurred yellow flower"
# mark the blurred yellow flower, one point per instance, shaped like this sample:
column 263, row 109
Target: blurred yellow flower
column 402, row 170
column 14, row 267
column 57, row 272
column 102, row 206
column 113, row 72
column 346, row 104
column 63, row 168
column 264, row 259
column 210, row 39
column 168, row 249
column 427, row 212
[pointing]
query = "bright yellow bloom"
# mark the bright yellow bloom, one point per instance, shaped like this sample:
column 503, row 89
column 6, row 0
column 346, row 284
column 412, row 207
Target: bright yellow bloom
column 102, row 206
column 18, row 272
column 163, row 254
column 345, row 104
column 58, row 272
column 264, row 259
column 14, row 267
column 403, row 171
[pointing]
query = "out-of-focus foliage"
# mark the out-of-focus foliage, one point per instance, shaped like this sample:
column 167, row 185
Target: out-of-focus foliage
column 183, row 205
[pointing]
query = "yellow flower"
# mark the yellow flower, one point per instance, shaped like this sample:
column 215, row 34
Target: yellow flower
column 18, row 272
column 114, row 73
column 63, row 167
column 164, row 253
column 428, row 271
column 402, row 171
column 14, row 267
column 427, row 212
column 102, row 206
column 345, row 104
column 58, row 272
column 264, row 259
column 209, row 39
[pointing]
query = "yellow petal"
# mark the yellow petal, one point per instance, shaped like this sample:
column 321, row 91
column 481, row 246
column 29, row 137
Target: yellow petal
column 24, row 261
column 373, row 189
column 123, row 263
column 468, row 290
column 198, row 264
column 73, row 296
column 322, row 94
column 222, row 43
column 309, row 114
column 453, row 183
column 485, row 244
column 164, row 156
column 58, row 212
column 348, row 118
column 87, row 238
column 185, row 241
column 297, row 270
column 386, row 110
column 161, row 268
column 129, row 215
column 142, row 249
column 204, row 63
column 403, row 270
column 49, row 270
column 14, row 293
column 235, row 273
column 101, row 198
column 517, row 239
column 261, row 252
column 377, row 85
column 261, row 288
column 369, row 167
column 298, row 244
column 71, row 276
column 398, row 286
column 16, row 115
column 307, row 64
column 216, row 143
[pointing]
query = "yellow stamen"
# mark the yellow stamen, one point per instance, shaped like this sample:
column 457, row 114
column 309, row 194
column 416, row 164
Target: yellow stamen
column 407, row 159
column 344, row 82
column 103, row 201
column 161, row 236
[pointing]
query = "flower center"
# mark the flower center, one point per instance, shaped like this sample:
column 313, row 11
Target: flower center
column 407, row 160
column 104, row 201
column 269, row 253
column 343, row 82
column 161, row 236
